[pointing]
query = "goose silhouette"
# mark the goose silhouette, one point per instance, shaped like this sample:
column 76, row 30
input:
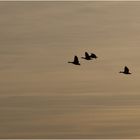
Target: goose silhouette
column 126, row 70
column 93, row 55
column 87, row 56
column 76, row 61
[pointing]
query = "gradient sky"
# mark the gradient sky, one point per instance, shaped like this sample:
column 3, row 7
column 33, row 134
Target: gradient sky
column 42, row 96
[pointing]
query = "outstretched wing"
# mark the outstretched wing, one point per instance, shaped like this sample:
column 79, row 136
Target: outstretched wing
column 87, row 55
column 126, row 70
column 93, row 55
column 76, row 59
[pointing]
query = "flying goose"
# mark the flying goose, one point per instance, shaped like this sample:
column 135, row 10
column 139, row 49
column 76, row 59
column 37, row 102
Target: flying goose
column 87, row 56
column 93, row 55
column 76, row 61
column 126, row 70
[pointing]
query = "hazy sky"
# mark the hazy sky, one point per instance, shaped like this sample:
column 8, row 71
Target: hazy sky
column 43, row 96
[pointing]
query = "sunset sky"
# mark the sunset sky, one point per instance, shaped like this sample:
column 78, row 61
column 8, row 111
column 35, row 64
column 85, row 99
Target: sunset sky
column 43, row 96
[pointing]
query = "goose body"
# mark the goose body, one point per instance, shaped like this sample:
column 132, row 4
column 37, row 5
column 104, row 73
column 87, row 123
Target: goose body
column 126, row 70
column 76, row 61
column 87, row 56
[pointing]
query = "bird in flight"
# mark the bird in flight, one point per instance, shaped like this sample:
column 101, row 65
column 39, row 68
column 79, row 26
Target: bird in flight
column 93, row 55
column 126, row 70
column 87, row 56
column 76, row 61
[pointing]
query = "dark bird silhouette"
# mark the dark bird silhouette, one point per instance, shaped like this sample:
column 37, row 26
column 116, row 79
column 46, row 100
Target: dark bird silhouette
column 93, row 55
column 76, row 61
column 87, row 56
column 126, row 70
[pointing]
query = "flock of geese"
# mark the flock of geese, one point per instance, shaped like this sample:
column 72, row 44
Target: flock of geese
column 93, row 56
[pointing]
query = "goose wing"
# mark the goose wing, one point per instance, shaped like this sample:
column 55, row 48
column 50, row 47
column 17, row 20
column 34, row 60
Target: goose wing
column 76, row 59
column 126, row 69
column 93, row 55
column 87, row 55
